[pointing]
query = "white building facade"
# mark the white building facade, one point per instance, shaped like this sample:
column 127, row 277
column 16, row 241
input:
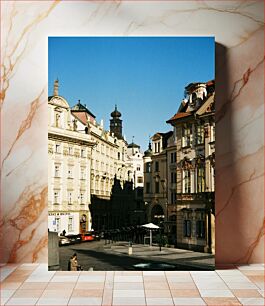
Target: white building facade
column 69, row 162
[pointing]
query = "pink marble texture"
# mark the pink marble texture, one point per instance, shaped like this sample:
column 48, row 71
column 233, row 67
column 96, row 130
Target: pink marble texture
column 238, row 27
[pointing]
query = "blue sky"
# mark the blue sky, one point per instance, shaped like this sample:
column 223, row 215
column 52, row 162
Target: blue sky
column 144, row 76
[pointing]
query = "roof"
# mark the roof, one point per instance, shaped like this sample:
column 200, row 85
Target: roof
column 133, row 145
column 81, row 116
column 178, row 116
column 81, row 108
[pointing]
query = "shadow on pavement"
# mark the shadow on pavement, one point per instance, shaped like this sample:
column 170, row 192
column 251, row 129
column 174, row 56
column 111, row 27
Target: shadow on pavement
column 127, row 262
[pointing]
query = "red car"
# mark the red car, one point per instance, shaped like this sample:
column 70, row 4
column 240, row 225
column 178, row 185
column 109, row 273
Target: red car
column 87, row 237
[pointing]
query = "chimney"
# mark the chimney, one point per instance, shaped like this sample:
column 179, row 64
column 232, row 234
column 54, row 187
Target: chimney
column 56, row 87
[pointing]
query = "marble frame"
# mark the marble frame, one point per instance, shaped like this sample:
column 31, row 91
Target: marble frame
column 239, row 29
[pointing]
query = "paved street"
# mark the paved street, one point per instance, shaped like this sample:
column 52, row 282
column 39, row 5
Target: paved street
column 114, row 256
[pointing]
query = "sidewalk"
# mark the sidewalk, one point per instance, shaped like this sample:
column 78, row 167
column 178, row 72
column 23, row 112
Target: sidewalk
column 174, row 256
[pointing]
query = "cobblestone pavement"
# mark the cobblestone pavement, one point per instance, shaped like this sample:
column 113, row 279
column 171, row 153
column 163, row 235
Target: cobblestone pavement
column 102, row 256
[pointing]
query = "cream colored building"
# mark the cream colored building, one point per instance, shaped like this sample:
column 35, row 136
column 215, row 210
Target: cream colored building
column 109, row 155
column 135, row 163
column 83, row 161
column 69, row 163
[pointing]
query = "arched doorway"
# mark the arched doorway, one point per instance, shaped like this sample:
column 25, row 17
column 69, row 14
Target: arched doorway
column 157, row 214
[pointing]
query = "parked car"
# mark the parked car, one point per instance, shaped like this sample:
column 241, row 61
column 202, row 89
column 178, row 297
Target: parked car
column 96, row 235
column 74, row 238
column 64, row 241
column 87, row 237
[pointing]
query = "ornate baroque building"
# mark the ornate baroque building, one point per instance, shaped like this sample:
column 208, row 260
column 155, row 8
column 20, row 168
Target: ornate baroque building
column 194, row 127
column 179, row 172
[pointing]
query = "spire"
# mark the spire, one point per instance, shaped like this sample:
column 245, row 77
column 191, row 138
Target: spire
column 56, row 87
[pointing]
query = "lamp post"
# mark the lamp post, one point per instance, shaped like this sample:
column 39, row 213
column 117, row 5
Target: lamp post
column 164, row 186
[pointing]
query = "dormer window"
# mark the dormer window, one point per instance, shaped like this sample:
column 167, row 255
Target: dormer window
column 157, row 147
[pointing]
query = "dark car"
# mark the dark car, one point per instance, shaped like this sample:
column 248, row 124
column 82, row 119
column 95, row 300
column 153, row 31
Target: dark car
column 74, row 238
column 96, row 235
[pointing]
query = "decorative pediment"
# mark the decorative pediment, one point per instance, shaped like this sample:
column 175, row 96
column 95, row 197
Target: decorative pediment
column 59, row 101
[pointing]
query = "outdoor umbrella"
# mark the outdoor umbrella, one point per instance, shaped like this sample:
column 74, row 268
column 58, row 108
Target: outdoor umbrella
column 150, row 226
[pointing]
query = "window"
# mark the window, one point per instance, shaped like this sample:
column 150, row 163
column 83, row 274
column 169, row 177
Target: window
column 147, row 185
column 156, row 187
column 56, row 197
column 173, row 177
column 58, row 224
column 186, row 136
column 156, row 166
column 187, row 183
column 173, row 197
column 119, row 155
column 70, row 224
column 148, row 167
column 187, row 228
column 140, row 180
column 212, row 133
column 200, row 229
column 70, row 197
column 82, row 152
column 70, row 150
column 173, row 157
column 82, row 174
column 82, row 198
column 138, row 168
column 200, row 179
column 200, row 134
column 158, row 147
column 70, row 172
column 57, row 148
column 57, row 171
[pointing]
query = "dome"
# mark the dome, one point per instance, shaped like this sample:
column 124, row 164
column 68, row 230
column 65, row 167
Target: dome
column 133, row 145
column 149, row 151
column 115, row 113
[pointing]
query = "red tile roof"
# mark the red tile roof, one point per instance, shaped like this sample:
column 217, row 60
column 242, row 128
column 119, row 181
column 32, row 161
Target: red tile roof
column 81, row 116
column 178, row 116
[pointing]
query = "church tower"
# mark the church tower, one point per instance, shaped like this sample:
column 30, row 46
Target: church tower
column 116, row 123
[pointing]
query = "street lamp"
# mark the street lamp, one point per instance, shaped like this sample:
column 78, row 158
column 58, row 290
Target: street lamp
column 164, row 186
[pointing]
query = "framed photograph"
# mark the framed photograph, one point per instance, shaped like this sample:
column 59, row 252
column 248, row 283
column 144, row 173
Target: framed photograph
column 131, row 153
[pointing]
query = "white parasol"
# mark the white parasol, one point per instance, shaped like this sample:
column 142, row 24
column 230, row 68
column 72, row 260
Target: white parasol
column 150, row 226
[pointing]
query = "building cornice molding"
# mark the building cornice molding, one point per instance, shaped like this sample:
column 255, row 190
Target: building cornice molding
column 71, row 139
